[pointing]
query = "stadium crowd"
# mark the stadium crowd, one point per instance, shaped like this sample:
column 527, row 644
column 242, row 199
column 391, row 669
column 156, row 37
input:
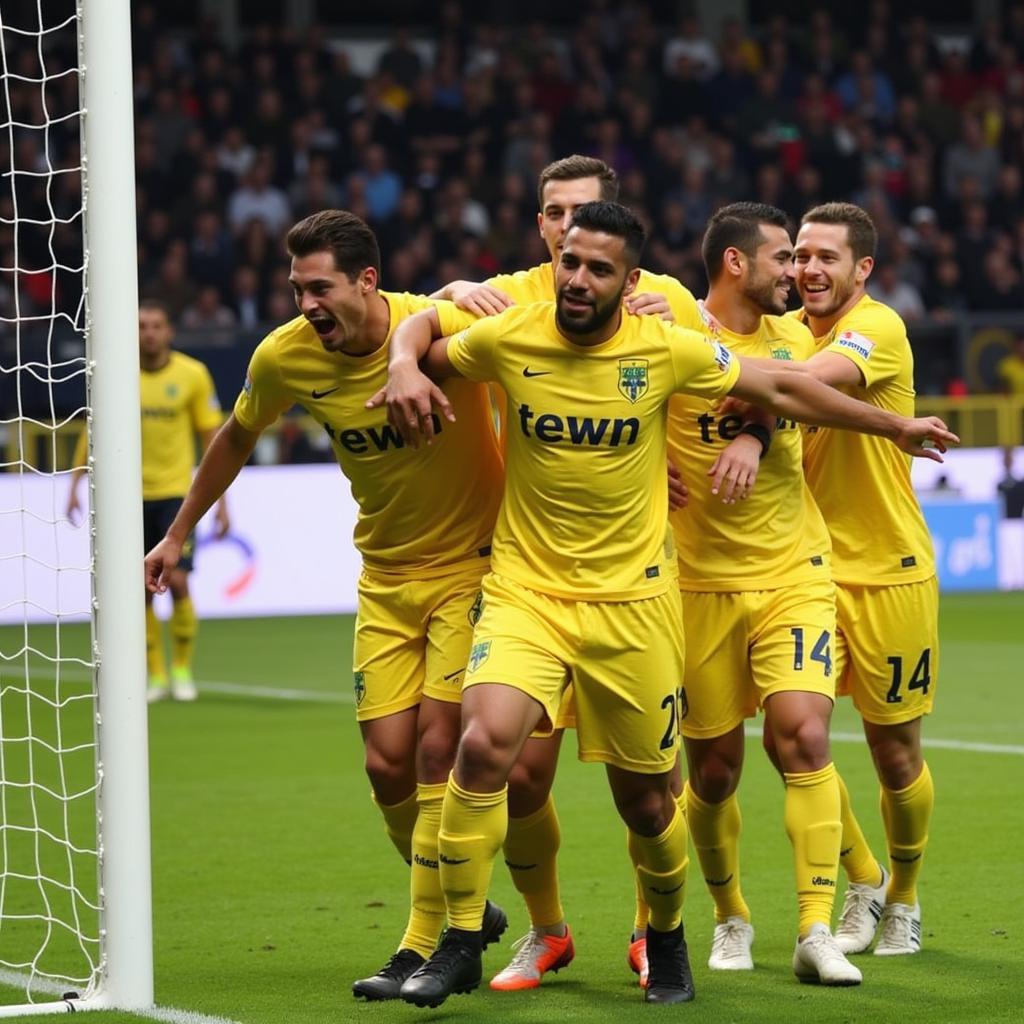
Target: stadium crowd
column 439, row 148
column 441, row 157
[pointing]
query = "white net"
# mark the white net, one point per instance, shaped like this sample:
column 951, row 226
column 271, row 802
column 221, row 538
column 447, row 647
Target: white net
column 49, row 851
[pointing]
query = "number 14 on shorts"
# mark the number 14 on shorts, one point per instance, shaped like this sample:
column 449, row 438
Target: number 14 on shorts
column 820, row 652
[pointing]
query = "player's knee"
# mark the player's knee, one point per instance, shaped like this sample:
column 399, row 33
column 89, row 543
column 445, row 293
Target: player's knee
column 389, row 771
column 485, row 756
column 647, row 812
column 897, row 764
column 436, row 753
column 804, row 746
column 528, row 789
column 715, row 778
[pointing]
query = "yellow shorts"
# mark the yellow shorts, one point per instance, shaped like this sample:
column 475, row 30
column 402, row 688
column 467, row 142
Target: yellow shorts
column 743, row 646
column 412, row 639
column 623, row 658
column 887, row 649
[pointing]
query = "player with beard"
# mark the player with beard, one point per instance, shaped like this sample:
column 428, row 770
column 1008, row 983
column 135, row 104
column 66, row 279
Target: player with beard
column 887, row 651
column 419, row 590
column 583, row 581
column 759, row 609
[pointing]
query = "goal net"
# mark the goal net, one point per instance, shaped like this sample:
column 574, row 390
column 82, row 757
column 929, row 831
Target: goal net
column 71, row 725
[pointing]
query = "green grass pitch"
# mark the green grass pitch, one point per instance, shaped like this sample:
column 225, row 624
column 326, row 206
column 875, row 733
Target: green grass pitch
column 274, row 885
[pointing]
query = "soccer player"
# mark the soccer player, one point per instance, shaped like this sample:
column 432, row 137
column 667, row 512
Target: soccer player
column 179, row 406
column 583, row 566
column 534, row 835
column 759, row 609
column 887, row 648
column 419, row 591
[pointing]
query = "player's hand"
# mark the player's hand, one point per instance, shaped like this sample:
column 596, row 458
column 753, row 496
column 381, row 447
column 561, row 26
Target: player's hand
column 735, row 470
column 925, row 437
column 649, row 304
column 678, row 492
column 160, row 563
column 480, row 299
column 730, row 406
column 410, row 396
column 221, row 520
column 74, row 506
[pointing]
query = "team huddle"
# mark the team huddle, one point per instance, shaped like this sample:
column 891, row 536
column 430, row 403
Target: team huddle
column 597, row 504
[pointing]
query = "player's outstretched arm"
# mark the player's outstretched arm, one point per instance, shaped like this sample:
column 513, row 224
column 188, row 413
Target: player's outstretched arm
column 417, row 350
column 475, row 297
column 224, row 458
column 223, row 519
column 800, row 396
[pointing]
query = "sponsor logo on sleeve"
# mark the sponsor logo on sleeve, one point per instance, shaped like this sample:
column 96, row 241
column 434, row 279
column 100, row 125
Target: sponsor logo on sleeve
column 247, row 384
column 479, row 654
column 723, row 357
column 856, row 343
column 359, row 684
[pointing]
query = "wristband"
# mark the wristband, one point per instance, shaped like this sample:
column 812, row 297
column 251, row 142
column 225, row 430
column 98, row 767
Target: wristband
column 761, row 433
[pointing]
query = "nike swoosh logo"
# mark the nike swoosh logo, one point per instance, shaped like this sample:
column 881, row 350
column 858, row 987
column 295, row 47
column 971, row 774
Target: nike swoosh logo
column 452, row 675
column 527, row 372
column 324, row 394
column 666, row 892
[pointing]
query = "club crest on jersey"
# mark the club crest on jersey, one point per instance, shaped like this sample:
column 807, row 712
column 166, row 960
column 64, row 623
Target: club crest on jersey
column 781, row 352
column 171, row 390
column 856, row 343
column 479, row 654
column 633, row 378
column 359, row 680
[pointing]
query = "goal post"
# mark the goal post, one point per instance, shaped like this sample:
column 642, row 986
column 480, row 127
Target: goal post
column 107, row 922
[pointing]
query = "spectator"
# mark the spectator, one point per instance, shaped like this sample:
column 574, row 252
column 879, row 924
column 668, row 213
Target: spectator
column 257, row 199
column 971, row 157
column 207, row 313
column 884, row 285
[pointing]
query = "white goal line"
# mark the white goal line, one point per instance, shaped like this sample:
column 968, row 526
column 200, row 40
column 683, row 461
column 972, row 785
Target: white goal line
column 49, row 987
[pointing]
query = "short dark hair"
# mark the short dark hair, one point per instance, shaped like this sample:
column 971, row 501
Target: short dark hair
column 613, row 219
column 344, row 235
column 860, row 228
column 159, row 305
column 737, row 226
column 572, row 168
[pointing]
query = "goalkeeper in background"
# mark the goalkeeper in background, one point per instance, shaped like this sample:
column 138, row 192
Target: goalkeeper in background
column 178, row 405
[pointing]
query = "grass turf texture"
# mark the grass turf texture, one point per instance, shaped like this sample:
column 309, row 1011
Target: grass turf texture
column 275, row 887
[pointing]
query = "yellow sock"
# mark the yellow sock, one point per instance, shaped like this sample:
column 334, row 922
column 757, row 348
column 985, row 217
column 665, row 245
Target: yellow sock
column 399, row 821
column 184, row 626
column 716, row 837
column 907, row 813
column 662, row 872
column 859, row 863
column 426, row 901
column 531, row 852
column 156, row 663
column 473, row 827
column 814, row 828
column 642, row 914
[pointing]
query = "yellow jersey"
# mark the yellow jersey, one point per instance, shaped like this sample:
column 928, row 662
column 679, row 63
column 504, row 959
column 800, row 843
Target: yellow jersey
column 862, row 483
column 585, row 513
column 776, row 537
column 538, row 285
column 421, row 512
column 178, row 401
